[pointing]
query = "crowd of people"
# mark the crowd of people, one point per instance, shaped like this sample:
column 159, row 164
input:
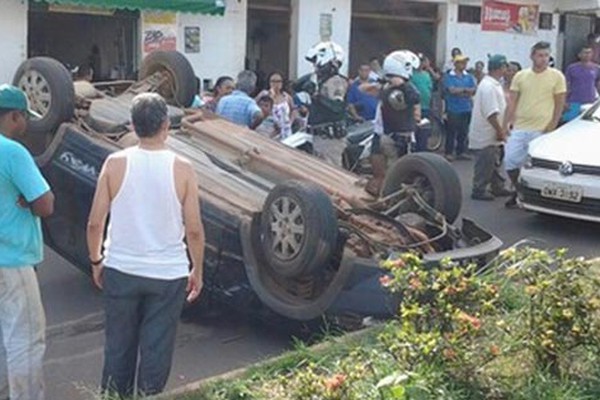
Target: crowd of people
column 496, row 115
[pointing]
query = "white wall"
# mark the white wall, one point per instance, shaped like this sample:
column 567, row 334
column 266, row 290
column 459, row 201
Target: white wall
column 13, row 30
column 222, row 41
column 478, row 44
column 306, row 17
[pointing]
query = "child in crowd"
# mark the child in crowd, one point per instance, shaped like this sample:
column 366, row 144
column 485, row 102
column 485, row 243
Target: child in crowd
column 267, row 127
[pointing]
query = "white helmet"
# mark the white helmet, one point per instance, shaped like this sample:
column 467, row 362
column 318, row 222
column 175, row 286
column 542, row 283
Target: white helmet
column 324, row 53
column 401, row 63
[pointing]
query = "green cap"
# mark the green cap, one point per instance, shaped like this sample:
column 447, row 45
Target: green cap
column 496, row 62
column 13, row 98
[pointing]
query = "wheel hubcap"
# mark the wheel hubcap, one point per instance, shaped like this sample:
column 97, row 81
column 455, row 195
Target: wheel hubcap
column 38, row 92
column 287, row 228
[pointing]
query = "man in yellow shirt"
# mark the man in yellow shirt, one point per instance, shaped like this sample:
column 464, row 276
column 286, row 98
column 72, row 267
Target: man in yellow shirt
column 537, row 99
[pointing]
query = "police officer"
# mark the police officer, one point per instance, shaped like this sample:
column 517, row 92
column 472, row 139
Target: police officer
column 398, row 113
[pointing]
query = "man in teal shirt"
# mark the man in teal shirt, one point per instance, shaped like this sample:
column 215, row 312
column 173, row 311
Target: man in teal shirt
column 424, row 79
column 24, row 197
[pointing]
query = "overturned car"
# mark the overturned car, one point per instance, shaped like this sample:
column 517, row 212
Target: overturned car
column 284, row 229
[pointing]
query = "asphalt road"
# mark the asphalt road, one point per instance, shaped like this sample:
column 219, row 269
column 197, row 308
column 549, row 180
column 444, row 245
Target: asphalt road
column 225, row 341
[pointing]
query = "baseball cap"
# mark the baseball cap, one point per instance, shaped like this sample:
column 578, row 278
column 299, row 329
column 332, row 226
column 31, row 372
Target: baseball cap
column 496, row 61
column 13, row 98
column 460, row 58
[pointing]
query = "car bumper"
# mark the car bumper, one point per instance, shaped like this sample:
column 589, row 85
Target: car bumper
column 532, row 181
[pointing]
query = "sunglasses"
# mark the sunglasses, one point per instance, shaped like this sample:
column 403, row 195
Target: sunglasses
column 276, row 80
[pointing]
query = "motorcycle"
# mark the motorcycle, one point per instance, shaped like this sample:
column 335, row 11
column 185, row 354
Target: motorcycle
column 359, row 143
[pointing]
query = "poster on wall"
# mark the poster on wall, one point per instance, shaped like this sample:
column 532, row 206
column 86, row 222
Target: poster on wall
column 159, row 31
column 502, row 16
column 192, row 39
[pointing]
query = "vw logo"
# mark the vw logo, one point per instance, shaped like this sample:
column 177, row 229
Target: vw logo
column 566, row 168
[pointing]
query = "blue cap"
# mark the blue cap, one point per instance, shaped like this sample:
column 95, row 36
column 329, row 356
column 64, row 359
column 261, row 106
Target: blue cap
column 13, row 98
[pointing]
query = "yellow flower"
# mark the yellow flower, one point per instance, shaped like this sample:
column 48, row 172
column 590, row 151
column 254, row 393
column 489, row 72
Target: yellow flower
column 532, row 290
column 567, row 313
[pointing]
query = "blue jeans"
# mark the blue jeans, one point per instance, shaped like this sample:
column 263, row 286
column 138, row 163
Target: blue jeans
column 23, row 324
column 141, row 317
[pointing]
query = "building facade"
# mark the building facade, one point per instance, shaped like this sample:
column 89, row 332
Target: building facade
column 266, row 35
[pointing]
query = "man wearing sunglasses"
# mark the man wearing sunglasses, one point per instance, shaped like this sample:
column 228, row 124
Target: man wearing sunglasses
column 25, row 197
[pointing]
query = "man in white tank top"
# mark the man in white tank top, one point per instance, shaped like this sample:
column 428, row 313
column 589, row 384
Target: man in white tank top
column 152, row 197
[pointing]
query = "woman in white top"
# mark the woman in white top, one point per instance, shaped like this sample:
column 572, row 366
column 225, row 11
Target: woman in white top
column 283, row 104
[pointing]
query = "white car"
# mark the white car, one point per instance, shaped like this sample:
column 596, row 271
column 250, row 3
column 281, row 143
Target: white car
column 562, row 174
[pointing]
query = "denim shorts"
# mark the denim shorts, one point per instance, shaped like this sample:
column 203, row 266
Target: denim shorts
column 517, row 148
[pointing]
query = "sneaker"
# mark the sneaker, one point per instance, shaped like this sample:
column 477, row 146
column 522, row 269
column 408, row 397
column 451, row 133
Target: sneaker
column 449, row 157
column 502, row 192
column 464, row 157
column 512, row 202
column 485, row 196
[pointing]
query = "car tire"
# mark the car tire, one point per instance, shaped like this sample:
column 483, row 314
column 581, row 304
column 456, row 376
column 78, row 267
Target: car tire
column 439, row 182
column 298, row 228
column 182, row 76
column 49, row 88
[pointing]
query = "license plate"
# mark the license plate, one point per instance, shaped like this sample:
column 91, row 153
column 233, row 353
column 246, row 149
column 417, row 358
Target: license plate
column 569, row 193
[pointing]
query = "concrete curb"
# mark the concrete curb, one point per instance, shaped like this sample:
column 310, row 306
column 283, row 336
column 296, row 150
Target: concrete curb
column 238, row 373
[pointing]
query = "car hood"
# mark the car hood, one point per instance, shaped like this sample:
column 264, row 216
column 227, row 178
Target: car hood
column 577, row 142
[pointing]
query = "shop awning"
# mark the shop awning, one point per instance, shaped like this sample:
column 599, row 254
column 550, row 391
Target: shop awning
column 212, row 7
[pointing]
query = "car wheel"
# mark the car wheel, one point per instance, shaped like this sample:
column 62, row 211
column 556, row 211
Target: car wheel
column 435, row 179
column 180, row 89
column 298, row 228
column 49, row 89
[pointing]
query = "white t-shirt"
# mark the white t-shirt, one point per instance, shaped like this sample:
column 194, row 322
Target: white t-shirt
column 489, row 99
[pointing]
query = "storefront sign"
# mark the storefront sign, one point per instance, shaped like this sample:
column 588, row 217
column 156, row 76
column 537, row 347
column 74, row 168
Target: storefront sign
column 159, row 31
column 501, row 16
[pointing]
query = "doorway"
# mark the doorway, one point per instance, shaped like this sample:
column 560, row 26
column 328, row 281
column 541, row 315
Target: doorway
column 104, row 39
column 576, row 28
column 381, row 27
column 268, row 43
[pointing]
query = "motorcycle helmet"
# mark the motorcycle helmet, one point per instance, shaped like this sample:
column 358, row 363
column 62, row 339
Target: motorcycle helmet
column 325, row 53
column 401, row 63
